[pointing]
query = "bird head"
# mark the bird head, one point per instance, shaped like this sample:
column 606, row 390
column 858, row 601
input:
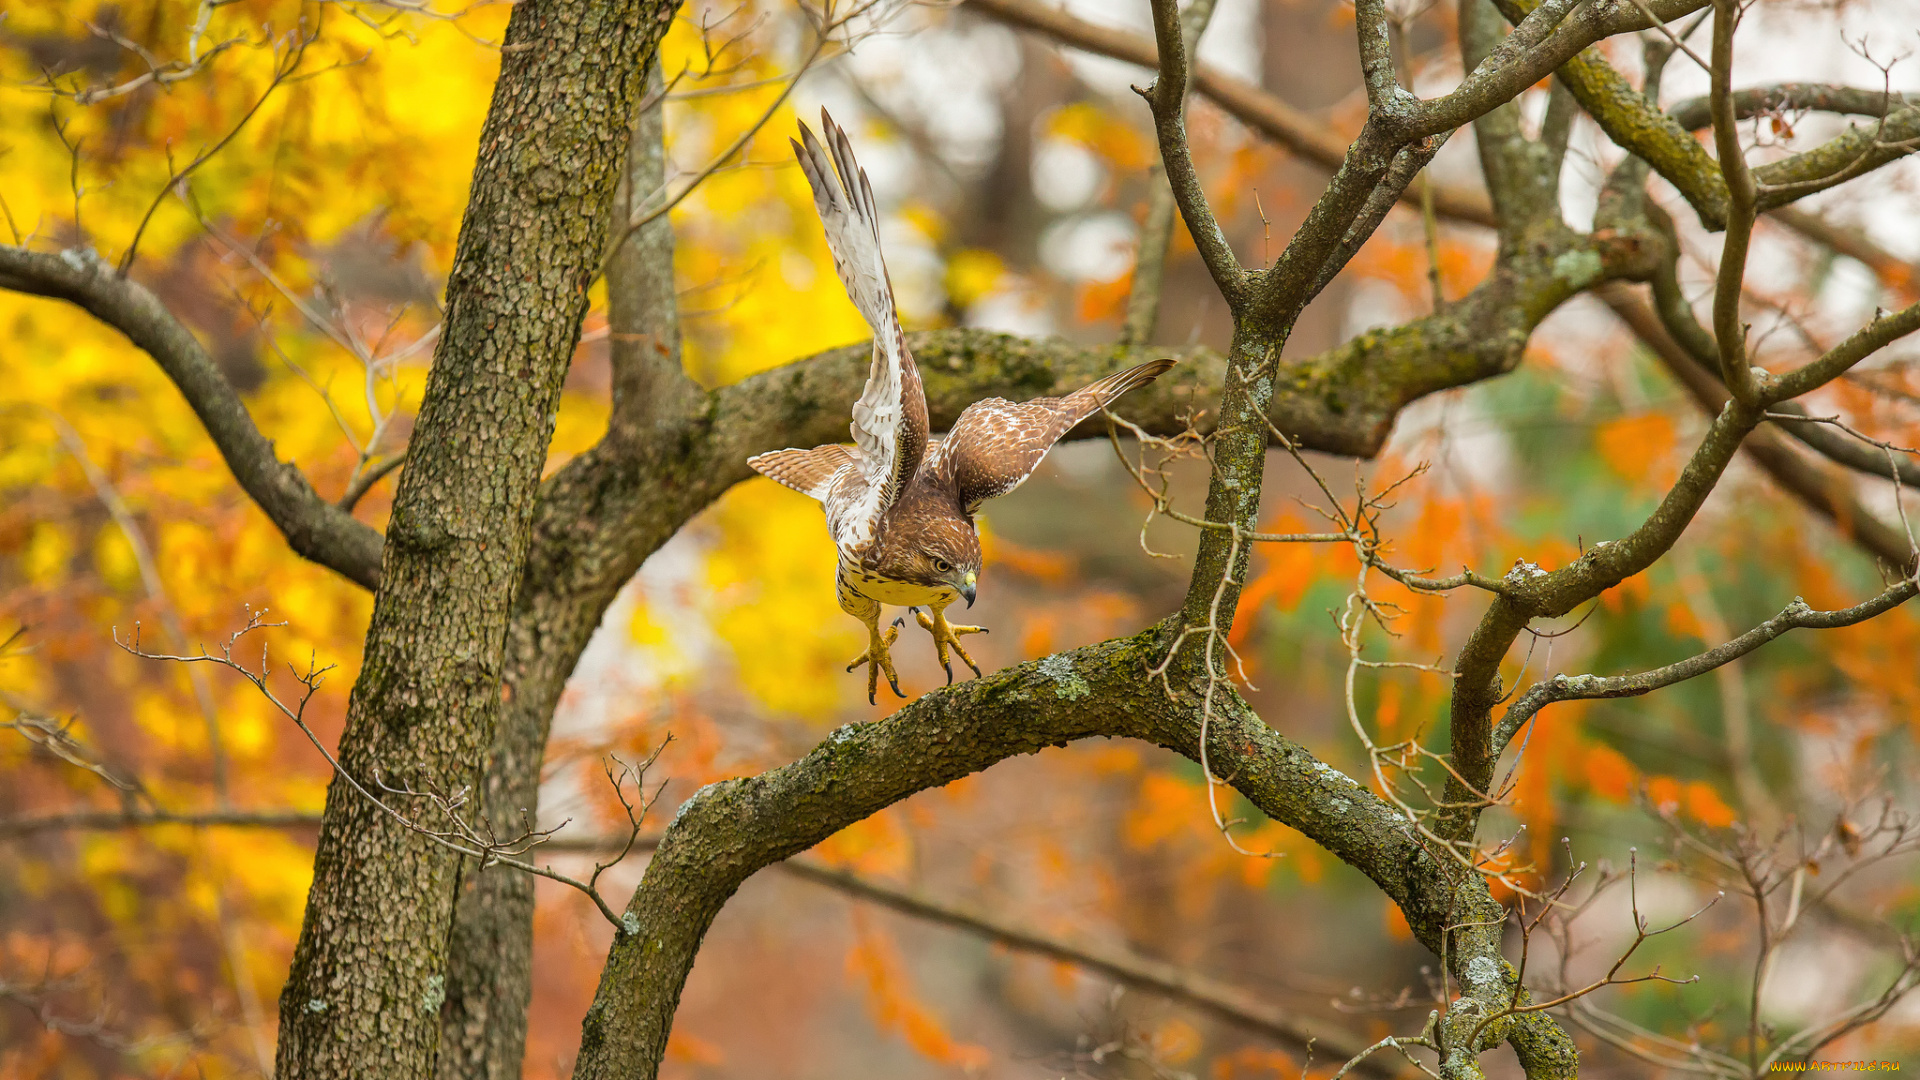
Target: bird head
column 951, row 558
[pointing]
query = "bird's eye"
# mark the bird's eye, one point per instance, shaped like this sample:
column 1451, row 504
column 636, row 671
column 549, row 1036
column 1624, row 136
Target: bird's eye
column 940, row 565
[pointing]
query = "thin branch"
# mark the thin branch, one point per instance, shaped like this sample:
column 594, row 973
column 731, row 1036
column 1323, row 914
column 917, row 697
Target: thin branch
column 113, row 820
column 367, row 479
column 1220, row 1000
column 459, row 836
column 313, row 528
column 156, row 588
column 1156, row 233
column 1168, row 99
column 1730, row 333
column 1259, row 110
column 283, row 69
column 1869, row 339
column 1820, row 492
column 1797, row 615
column 655, row 208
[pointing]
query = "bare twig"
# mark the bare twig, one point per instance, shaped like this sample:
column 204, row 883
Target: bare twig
column 457, row 834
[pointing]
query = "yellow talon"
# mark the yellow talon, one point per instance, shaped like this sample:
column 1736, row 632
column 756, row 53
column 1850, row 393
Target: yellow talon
column 946, row 635
column 877, row 650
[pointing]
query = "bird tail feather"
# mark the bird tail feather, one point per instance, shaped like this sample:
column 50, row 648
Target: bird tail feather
column 1121, row 382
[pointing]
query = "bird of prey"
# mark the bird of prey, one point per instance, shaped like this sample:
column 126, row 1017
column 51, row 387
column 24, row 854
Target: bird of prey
column 900, row 508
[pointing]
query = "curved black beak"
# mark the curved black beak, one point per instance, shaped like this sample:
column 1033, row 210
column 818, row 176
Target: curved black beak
column 967, row 589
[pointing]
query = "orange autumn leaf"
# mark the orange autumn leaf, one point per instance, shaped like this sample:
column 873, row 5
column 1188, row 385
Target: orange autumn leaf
column 1705, row 806
column 1103, row 301
column 1164, row 809
column 1251, row 1063
column 874, row 845
column 688, row 1049
column 895, row 1008
column 1048, row 567
column 1608, row 773
column 1396, row 922
column 1664, row 793
column 1639, row 448
column 1175, row 1041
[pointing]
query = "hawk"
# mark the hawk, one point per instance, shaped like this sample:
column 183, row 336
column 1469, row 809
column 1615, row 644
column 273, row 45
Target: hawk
column 900, row 507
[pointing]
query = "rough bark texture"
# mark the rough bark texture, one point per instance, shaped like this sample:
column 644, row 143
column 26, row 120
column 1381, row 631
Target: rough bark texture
column 368, row 978
column 729, row 830
column 590, row 534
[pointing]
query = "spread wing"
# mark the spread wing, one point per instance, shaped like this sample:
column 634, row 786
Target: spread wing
column 996, row 444
column 890, row 419
column 812, row 472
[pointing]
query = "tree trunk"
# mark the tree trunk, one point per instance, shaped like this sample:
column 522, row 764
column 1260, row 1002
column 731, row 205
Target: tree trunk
column 574, row 571
column 368, row 978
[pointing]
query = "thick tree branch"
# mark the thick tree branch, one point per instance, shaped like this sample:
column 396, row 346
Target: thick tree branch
column 1629, row 120
column 1549, row 35
column 1885, row 329
column 1684, row 337
column 729, row 830
column 1534, row 593
column 1218, row 999
column 1377, row 70
column 368, row 978
column 1730, row 332
column 1855, row 152
column 603, row 513
column 314, row 528
column 1391, row 188
column 597, row 520
column 1696, row 113
column 1523, row 174
column 1665, row 142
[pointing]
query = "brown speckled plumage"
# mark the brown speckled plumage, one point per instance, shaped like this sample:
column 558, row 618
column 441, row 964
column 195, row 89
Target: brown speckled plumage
column 900, row 510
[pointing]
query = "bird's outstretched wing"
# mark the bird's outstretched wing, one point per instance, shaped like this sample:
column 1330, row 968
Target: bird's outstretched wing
column 890, row 419
column 996, row 444
column 815, row 473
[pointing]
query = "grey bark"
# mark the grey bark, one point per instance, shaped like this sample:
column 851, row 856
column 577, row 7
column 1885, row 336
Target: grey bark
column 369, row 973
column 580, row 557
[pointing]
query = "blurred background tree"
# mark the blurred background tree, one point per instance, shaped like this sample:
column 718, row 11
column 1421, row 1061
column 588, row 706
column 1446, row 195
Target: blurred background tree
column 293, row 177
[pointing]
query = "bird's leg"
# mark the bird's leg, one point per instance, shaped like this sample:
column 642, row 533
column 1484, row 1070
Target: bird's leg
column 877, row 658
column 946, row 634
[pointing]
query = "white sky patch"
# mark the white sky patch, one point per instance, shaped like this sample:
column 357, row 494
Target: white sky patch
column 1066, row 175
column 1231, row 43
column 918, row 274
column 1092, row 247
column 1813, row 978
column 1012, row 311
column 1375, row 304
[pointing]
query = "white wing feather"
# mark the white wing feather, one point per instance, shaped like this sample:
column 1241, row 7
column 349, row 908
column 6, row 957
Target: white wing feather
column 890, row 419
